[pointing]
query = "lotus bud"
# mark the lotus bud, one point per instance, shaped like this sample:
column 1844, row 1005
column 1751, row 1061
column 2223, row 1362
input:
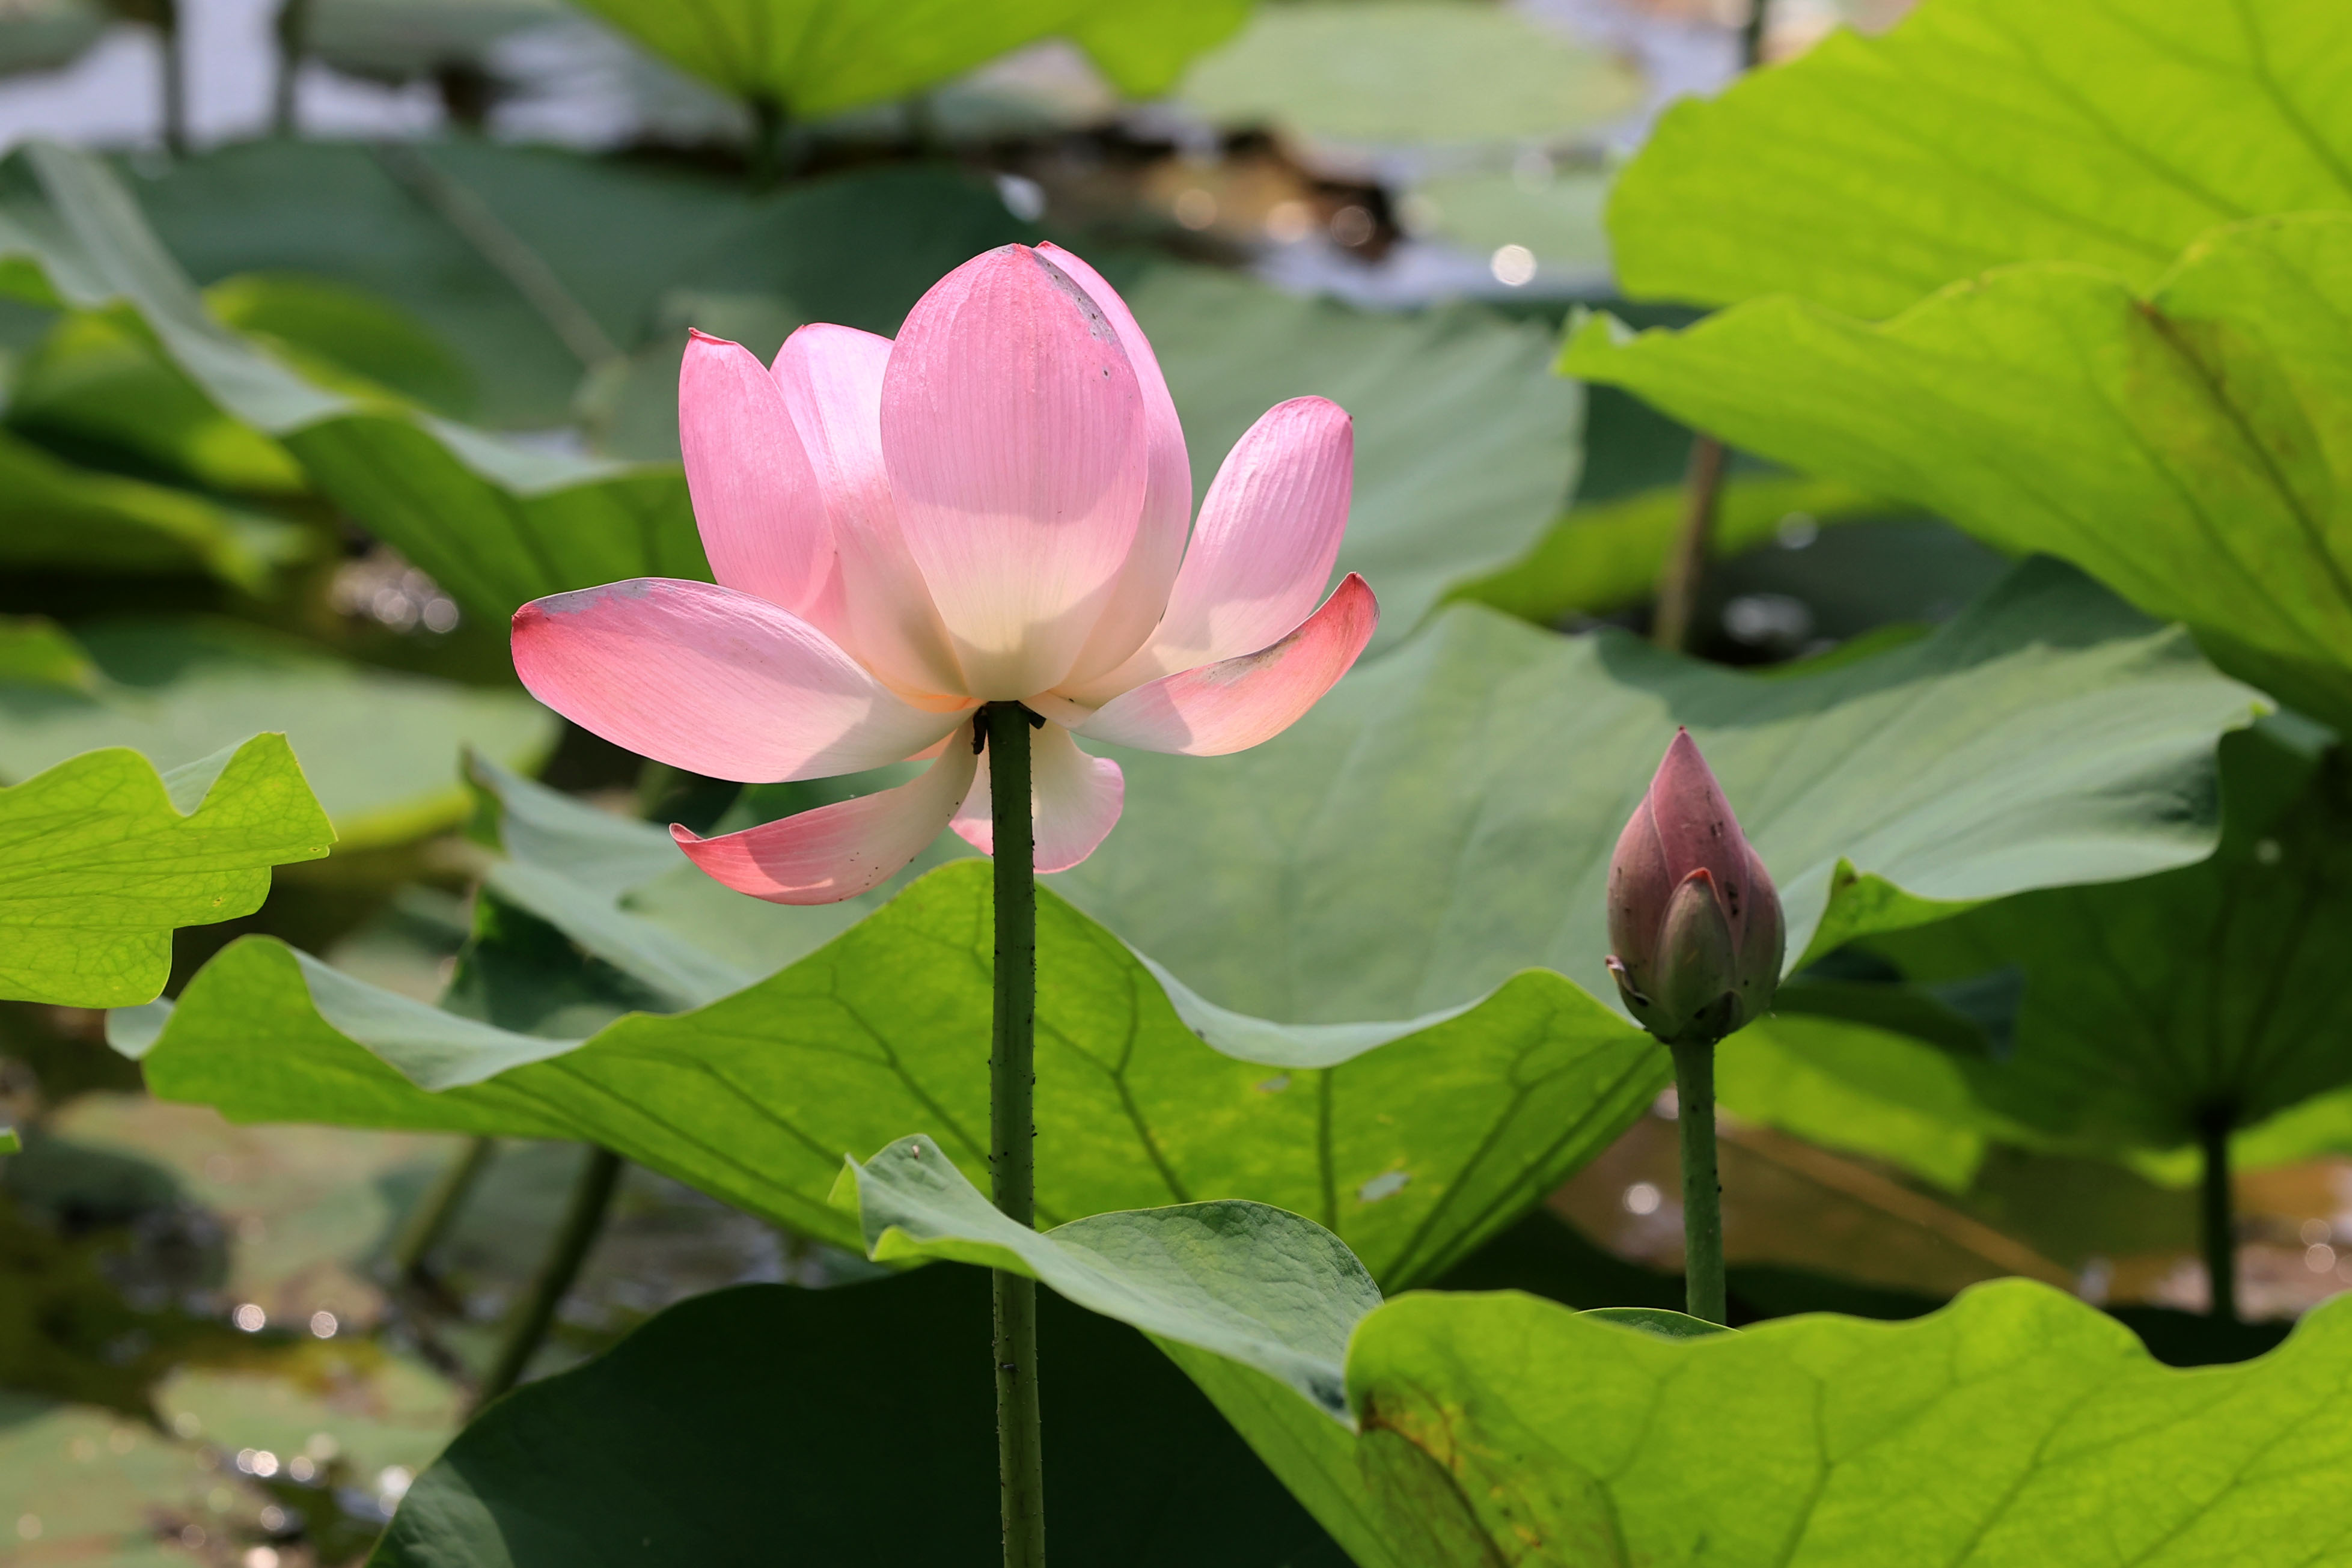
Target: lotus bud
column 1694, row 920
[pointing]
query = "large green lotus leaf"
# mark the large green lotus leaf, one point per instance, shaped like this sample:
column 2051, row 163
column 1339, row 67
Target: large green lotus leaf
column 1412, row 1141
column 1445, row 817
column 1392, row 73
column 1980, row 132
column 1257, row 1285
column 647, row 1444
column 2015, row 1427
column 2189, row 448
column 816, row 58
column 56, row 514
column 1143, row 45
column 494, row 523
column 2154, row 1006
column 377, row 745
column 102, row 858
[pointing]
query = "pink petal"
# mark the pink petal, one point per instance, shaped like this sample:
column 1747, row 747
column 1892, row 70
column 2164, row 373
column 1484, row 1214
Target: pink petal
column 1269, row 533
column 831, row 378
column 712, row 680
column 1014, row 433
column 839, row 851
column 1234, row 705
column 1075, row 800
column 755, row 497
column 1151, row 562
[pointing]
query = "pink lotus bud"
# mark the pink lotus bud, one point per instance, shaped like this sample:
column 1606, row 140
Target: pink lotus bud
column 1692, row 912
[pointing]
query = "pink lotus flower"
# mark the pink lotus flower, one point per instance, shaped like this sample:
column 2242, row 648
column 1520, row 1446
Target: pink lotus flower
column 991, row 509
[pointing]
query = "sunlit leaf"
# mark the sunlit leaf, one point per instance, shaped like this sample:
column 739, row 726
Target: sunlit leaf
column 2189, row 448
column 2017, row 1426
column 1145, row 1472
column 1501, row 1427
column 1979, row 133
column 102, row 857
column 816, row 58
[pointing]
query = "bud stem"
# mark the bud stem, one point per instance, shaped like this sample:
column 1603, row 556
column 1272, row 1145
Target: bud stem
column 1703, row 1292
column 1012, row 1131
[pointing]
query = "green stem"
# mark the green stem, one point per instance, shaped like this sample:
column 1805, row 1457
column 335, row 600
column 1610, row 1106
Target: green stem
column 1703, row 1295
column 431, row 1219
column 1012, row 1133
column 2220, row 1226
column 591, row 1194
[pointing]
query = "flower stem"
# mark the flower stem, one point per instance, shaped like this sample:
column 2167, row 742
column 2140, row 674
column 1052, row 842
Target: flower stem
column 1012, row 1133
column 1703, row 1295
column 2220, row 1226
